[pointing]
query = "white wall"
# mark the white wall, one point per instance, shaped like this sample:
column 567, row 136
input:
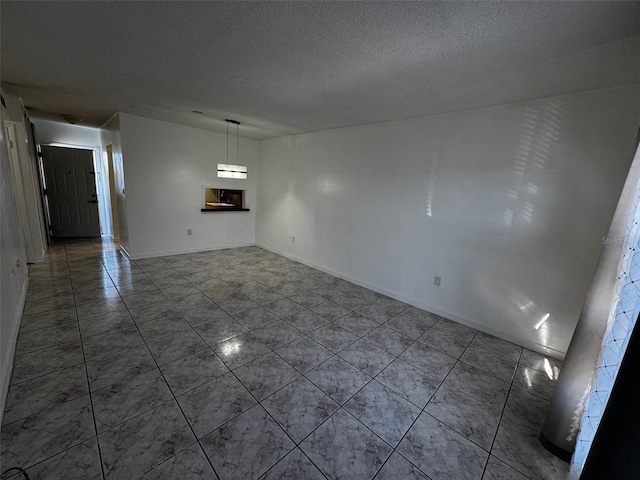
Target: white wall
column 165, row 166
column 507, row 204
column 49, row 132
column 13, row 270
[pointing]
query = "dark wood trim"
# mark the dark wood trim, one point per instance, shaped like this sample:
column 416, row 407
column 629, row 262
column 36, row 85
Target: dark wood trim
column 224, row 209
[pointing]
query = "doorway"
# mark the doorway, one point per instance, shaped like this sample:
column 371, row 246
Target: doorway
column 70, row 192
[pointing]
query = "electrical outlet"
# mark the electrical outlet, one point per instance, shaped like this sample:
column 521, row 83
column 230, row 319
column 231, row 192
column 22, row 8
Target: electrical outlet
column 188, row 231
column 293, row 239
column 436, row 281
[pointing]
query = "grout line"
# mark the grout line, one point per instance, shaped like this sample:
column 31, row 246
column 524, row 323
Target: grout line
column 504, row 407
column 86, row 371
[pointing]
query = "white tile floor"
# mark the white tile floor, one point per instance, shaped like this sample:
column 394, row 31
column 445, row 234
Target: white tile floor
column 240, row 363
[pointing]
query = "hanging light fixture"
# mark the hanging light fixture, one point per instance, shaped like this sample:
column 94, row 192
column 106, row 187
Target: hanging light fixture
column 227, row 170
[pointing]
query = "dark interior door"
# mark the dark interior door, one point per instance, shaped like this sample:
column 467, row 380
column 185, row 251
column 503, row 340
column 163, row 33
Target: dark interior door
column 71, row 192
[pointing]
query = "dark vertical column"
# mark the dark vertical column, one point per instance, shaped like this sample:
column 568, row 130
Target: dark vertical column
column 615, row 451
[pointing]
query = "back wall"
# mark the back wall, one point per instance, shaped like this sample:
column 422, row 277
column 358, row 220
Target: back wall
column 508, row 205
column 165, row 167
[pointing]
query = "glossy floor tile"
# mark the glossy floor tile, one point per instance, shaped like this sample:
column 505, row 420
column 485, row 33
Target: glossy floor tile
column 399, row 468
column 299, row 408
column 342, row 447
column 228, row 396
column 441, row 452
column 385, row 412
column 80, row 461
column 143, row 442
column 242, row 364
column 295, row 466
column 247, row 446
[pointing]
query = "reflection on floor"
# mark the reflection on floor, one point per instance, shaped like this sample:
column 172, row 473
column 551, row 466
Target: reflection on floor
column 241, row 363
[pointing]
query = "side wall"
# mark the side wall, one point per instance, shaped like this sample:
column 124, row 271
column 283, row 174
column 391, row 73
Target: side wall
column 13, row 269
column 28, row 190
column 508, row 205
column 165, row 166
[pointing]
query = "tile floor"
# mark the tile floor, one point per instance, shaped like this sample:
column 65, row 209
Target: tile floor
column 240, row 363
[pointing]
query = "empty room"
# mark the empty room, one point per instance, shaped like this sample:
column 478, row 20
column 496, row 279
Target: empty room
column 319, row 240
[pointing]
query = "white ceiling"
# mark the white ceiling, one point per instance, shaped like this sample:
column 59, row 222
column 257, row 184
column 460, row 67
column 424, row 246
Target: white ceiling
column 289, row 67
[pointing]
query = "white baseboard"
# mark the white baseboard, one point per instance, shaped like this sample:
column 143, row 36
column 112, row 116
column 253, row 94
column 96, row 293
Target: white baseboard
column 184, row 251
column 7, row 368
column 39, row 259
column 536, row 347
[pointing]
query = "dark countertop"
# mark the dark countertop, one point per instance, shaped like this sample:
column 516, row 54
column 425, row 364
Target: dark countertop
column 224, row 209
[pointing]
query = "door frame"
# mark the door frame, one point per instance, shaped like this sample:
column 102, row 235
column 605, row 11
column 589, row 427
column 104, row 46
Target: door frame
column 24, row 167
column 96, row 152
column 115, row 223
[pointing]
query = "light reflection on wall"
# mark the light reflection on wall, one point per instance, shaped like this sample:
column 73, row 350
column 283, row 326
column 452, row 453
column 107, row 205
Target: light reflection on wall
column 543, row 333
column 527, row 212
column 432, row 177
column 544, row 318
column 539, row 133
column 527, row 306
column 576, row 418
column 508, row 219
column 328, row 185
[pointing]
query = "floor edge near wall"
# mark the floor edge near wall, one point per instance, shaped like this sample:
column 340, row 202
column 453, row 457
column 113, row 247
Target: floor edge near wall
column 561, row 453
column 7, row 369
column 210, row 248
column 536, row 347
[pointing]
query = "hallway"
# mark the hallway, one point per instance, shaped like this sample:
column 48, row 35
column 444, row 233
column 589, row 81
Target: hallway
column 241, row 363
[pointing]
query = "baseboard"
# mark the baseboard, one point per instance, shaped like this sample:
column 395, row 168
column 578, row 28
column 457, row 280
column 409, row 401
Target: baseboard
column 559, row 452
column 536, row 347
column 185, row 251
column 7, row 368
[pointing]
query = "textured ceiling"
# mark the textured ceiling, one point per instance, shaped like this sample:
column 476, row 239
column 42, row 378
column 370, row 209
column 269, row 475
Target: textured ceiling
column 289, row 67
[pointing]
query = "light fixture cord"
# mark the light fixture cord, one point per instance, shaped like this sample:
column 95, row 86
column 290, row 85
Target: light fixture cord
column 227, row 121
column 237, row 144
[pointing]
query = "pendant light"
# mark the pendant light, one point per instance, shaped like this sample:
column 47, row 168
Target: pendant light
column 227, row 170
